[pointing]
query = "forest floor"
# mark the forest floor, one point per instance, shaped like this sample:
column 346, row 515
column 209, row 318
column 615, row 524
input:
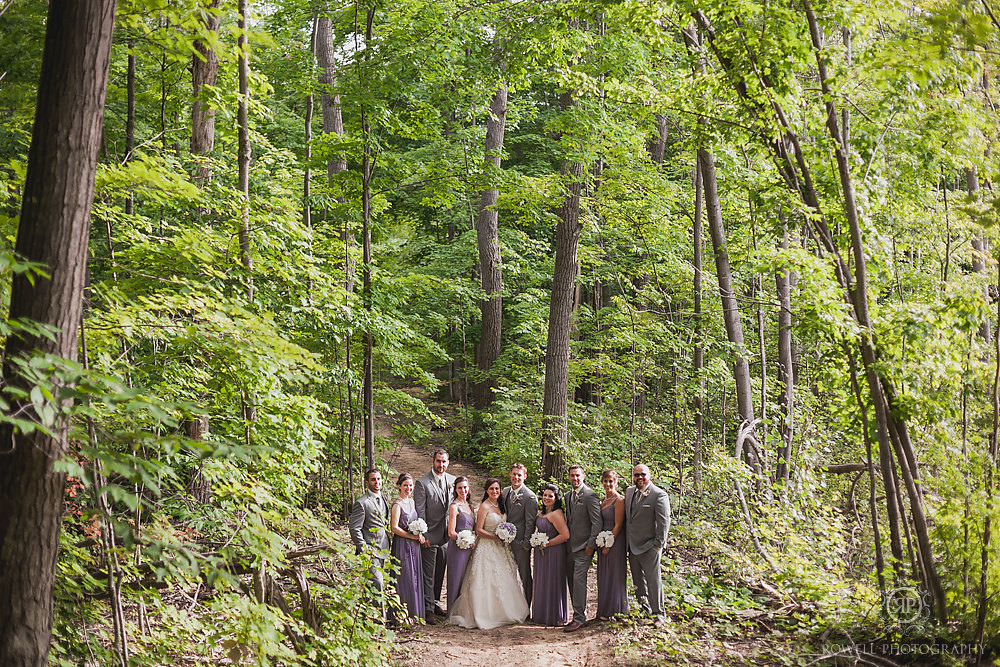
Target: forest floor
column 709, row 636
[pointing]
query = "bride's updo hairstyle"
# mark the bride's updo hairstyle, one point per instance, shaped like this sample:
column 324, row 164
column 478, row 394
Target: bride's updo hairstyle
column 403, row 476
column 486, row 492
column 557, row 505
column 454, row 489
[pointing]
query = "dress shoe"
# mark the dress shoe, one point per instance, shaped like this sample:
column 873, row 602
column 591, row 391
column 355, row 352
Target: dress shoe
column 438, row 611
column 572, row 626
column 431, row 619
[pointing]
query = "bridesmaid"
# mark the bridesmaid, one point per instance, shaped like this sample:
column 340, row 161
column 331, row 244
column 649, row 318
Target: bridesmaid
column 612, row 597
column 549, row 597
column 460, row 517
column 406, row 549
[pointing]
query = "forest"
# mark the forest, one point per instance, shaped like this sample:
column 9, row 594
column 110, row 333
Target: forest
column 250, row 247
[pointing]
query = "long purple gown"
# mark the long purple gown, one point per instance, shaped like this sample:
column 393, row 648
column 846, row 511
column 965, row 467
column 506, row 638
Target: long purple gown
column 612, row 596
column 458, row 558
column 548, row 602
column 406, row 553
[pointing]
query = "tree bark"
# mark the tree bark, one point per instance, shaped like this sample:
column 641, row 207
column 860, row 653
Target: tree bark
column 243, row 178
column 367, row 168
column 53, row 231
column 555, row 433
column 980, row 246
column 490, row 273
column 730, row 307
column 698, row 361
column 783, row 281
column 204, row 72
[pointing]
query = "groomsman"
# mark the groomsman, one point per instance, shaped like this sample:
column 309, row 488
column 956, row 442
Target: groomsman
column 647, row 521
column 522, row 510
column 583, row 516
column 431, row 497
column 369, row 518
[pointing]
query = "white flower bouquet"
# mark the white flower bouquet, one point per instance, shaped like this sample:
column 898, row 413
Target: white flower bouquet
column 538, row 539
column 605, row 538
column 466, row 539
column 506, row 531
column 418, row 526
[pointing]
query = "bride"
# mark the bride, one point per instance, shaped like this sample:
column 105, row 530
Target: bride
column 491, row 590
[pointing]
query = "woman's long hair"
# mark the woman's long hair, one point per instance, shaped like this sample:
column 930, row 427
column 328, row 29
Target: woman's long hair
column 557, row 505
column 486, row 493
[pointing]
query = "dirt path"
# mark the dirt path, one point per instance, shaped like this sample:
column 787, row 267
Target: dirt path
column 525, row 644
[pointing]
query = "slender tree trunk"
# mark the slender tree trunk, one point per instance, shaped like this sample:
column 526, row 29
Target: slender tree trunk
column 204, row 72
column 783, row 281
column 307, row 161
column 555, row 400
column 991, row 466
column 980, row 245
column 882, row 392
column 490, row 274
column 53, row 232
column 367, row 168
column 130, row 119
column 730, row 307
column 243, row 179
column 699, row 345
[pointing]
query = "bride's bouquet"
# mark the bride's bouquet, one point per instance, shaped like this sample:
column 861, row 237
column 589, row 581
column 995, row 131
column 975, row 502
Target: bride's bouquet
column 418, row 526
column 466, row 539
column 538, row 539
column 605, row 538
column 506, row 531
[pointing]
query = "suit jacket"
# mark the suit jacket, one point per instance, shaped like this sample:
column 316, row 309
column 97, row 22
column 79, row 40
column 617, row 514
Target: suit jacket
column 584, row 519
column 432, row 505
column 369, row 521
column 522, row 513
column 648, row 523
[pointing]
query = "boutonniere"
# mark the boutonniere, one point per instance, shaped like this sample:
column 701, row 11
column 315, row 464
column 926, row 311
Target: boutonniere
column 645, row 493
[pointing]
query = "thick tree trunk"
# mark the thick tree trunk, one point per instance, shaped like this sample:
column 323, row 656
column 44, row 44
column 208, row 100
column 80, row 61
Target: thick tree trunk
column 243, row 179
column 204, row 72
column 53, row 231
column 555, row 400
column 490, row 274
column 333, row 123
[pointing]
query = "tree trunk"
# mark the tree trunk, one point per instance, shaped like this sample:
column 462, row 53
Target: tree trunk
column 730, row 307
column 698, row 361
column 883, row 395
column 333, row 123
column 490, row 274
column 783, row 281
column 980, row 246
column 204, row 72
column 53, row 231
column 554, row 403
column 367, row 167
column 243, row 179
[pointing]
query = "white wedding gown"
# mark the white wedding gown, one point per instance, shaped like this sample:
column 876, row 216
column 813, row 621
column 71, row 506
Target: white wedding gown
column 491, row 588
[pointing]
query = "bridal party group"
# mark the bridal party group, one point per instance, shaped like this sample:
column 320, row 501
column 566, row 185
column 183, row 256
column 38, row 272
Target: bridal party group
column 520, row 554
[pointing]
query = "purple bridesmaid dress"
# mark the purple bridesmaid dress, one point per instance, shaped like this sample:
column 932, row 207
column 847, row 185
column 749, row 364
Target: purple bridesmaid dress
column 548, row 602
column 458, row 558
column 406, row 553
column 612, row 596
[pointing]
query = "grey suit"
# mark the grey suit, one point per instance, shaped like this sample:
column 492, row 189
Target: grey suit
column 583, row 516
column 647, row 522
column 522, row 510
column 431, row 502
column 369, row 518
